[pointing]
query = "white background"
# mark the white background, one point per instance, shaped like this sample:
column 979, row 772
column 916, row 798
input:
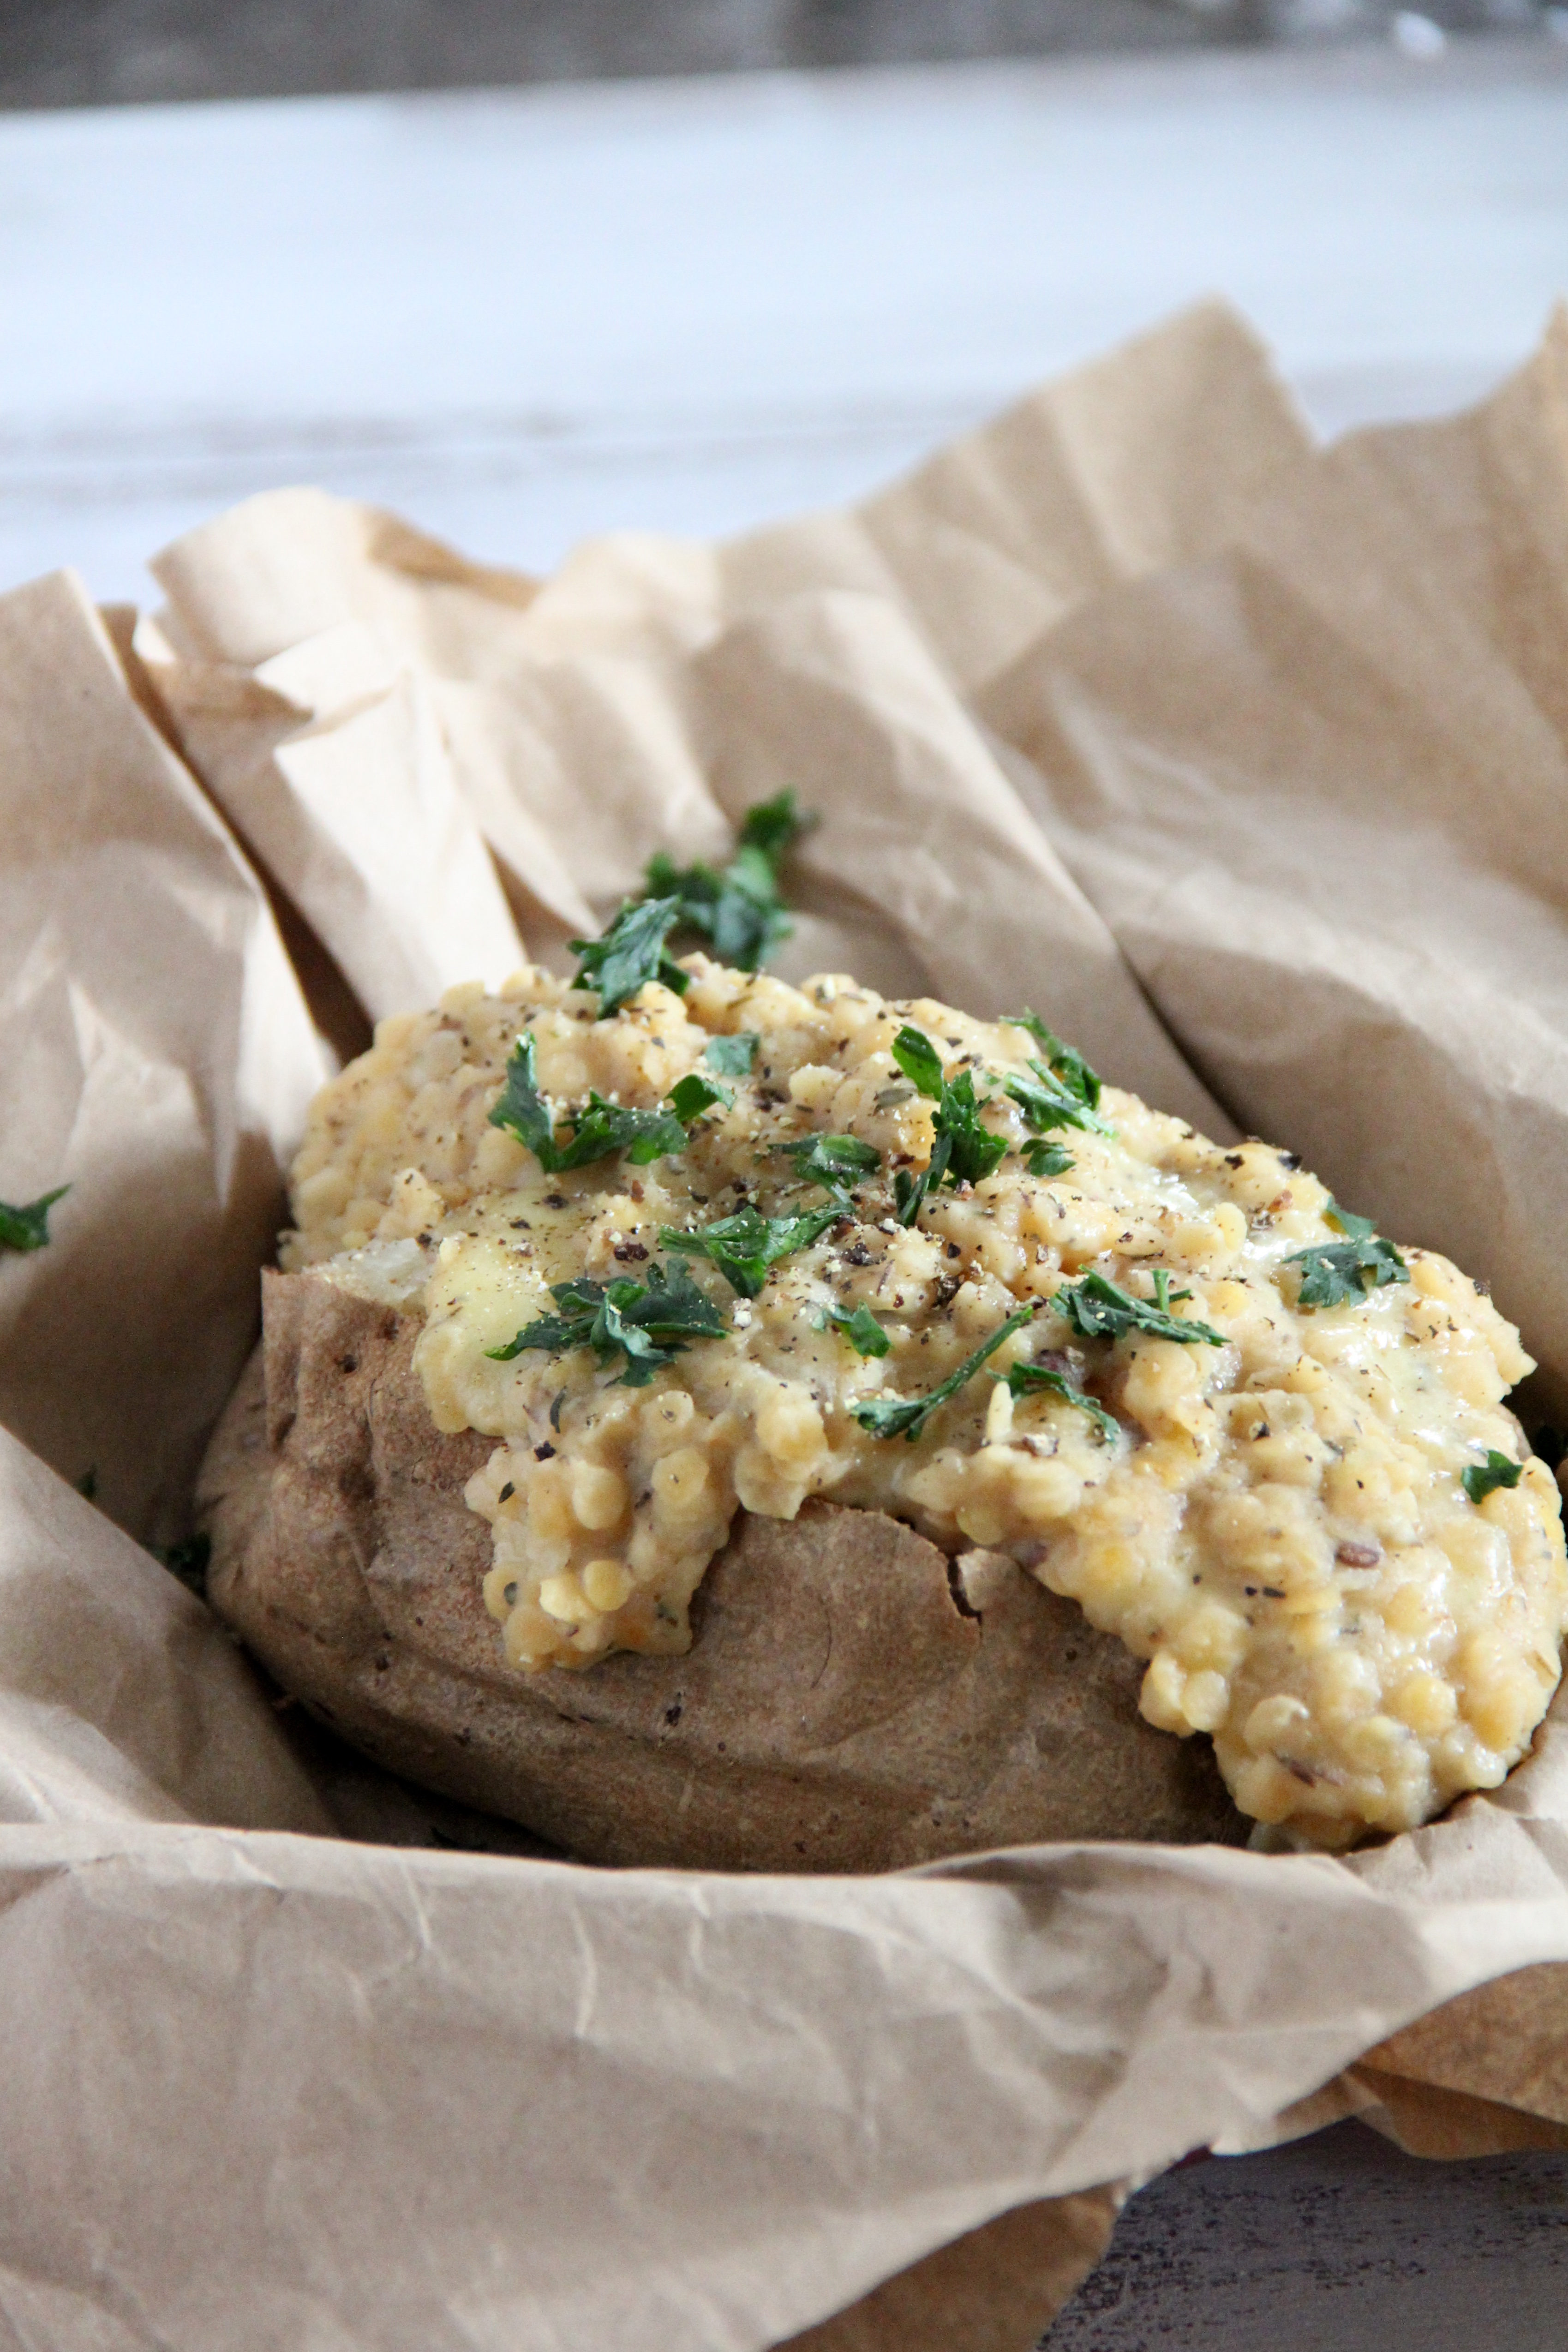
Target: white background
column 524, row 316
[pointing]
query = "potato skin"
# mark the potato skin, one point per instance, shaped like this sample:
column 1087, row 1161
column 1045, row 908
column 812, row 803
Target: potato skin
column 852, row 1701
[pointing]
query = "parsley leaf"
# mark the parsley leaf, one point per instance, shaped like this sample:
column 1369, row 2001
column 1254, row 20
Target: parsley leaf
column 1097, row 1310
column 1066, row 1064
column 1341, row 1271
column 1046, row 1101
column 597, row 1130
column 1029, row 1380
column 907, row 1416
column 732, row 1057
column 694, row 1094
column 630, row 953
column 862, row 1330
column 920, row 1061
column 648, row 1323
column 521, row 1110
column 909, row 1192
column 922, row 1065
column 737, row 906
column 963, row 1151
column 744, row 1246
column 973, row 1150
column 829, row 1159
column 601, row 1127
column 772, row 827
column 1063, row 1093
column 1360, row 1229
column 1482, row 1479
column 28, row 1229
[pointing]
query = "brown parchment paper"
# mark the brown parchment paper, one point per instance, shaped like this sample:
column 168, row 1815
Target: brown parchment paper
column 155, row 1057
column 638, row 698
column 330, row 761
column 281, row 2088
column 1316, row 785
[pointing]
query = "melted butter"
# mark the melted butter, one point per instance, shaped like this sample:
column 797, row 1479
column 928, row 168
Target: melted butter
column 1277, row 1528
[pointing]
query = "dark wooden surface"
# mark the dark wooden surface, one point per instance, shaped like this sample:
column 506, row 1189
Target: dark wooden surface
column 98, row 52
column 1336, row 2243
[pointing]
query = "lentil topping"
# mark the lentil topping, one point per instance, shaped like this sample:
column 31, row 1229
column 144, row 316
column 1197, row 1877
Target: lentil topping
column 1273, row 1514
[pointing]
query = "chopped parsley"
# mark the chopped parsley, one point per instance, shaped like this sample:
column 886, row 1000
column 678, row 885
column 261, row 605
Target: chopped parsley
column 630, row 953
column 1049, row 1159
column 920, row 1061
column 772, row 827
column 28, row 1229
column 600, row 1127
column 732, row 1057
column 694, row 1094
column 1029, row 1380
column 1359, row 1229
column 829, row 1159
column 862, row 1330
column 1066, row 1064
column 1337, row 1272
column 1097, row 1310
column 1047, row 1102
column 972, row 1151
column 909, row 1192
column 1483, row 1478
column 907, row 1416
column 745, row 1246
column 963, row 1151
column 737, row 906
column 648, row 1323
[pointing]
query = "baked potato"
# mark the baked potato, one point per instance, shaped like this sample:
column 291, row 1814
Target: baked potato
column 713, row 1422
column 853, row 1700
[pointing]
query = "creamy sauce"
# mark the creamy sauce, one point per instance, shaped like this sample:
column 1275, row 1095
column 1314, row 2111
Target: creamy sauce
column 1277, row 1525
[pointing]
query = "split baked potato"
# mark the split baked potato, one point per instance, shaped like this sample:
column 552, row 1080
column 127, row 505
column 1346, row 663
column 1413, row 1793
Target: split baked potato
column 720, row 1423
column 852, row 1700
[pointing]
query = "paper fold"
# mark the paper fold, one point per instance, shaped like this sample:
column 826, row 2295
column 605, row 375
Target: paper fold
column 155, row 1057
column 1314, row 786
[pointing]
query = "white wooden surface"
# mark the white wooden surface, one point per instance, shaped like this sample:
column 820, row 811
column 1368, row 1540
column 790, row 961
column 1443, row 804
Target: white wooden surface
column 528, row 316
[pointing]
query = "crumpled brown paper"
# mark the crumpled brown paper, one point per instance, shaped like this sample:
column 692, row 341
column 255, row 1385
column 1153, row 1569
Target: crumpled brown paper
column 156, row 1055
column 1122, row 708
column 638, row 700
column 324, row 748
column 1315, row 785
column 123, row 1698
